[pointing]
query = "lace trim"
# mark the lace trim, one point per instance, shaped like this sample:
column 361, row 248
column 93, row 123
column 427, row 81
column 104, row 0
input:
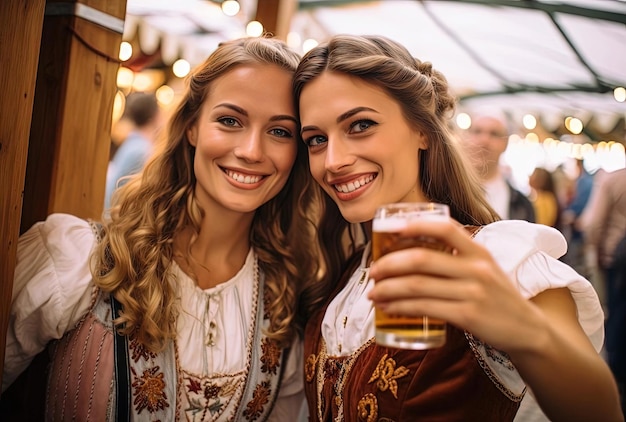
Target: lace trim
column 216, row 394
column 500, row 358
column 344, row 370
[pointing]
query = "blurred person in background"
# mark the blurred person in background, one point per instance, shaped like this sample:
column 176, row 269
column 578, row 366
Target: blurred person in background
column 486, row 141
column 544, row 198
column 570, row 218
column 143, row 112
column 617, row 353
column 182, row 304
column 605, row 230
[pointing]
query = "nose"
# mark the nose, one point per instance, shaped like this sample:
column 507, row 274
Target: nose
column 338, row 154
column 250, row 147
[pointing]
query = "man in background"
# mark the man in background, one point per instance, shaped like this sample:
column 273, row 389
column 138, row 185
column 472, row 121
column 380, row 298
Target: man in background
column 144, row 114
column 485, row 142
column 605, row 236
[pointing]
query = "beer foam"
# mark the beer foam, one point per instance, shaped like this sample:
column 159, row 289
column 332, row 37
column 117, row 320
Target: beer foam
column 394, row 223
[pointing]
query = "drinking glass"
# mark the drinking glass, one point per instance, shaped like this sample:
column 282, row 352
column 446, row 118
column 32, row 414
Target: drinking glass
column 421, row 332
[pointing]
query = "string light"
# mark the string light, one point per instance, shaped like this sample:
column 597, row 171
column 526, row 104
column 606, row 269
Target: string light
column 254, row 29
column 126, row 51
column 231, row 7
column 181, row 68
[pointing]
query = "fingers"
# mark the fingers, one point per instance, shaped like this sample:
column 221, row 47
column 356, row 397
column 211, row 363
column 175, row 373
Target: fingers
column 419, row 287
column 467, row 255
column 450, row 232
column 416, row 260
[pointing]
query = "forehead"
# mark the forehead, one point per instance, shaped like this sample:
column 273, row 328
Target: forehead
column 249, row 81
column 486, row 122
column 334, row 92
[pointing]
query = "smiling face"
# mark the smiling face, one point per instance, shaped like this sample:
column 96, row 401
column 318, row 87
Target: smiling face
column 362, row 151
column 245, row 139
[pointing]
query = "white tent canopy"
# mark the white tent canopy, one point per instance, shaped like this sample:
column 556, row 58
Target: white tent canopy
column 536, row 57
column 545, row 57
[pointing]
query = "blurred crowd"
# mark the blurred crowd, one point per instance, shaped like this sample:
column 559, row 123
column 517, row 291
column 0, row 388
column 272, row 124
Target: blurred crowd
column 587, row 207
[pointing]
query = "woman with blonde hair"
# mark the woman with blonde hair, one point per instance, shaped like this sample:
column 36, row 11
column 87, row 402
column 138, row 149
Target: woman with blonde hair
column 521, row 324
column 182, row 304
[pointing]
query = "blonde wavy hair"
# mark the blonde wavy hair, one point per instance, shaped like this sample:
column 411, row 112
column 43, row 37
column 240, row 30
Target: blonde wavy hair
column 423, row 94
column 133, row 259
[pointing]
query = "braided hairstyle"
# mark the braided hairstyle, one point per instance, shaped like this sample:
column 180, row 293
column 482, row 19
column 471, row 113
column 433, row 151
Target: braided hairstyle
column 427, row 105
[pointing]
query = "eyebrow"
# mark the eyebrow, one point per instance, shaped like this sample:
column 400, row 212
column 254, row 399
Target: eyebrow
column 277, row 118
column 344, row 116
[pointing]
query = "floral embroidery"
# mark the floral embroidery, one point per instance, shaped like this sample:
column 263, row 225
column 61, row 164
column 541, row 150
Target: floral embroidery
column 260, row 398
column 211, row 391
column 194, row 386
column 149, row 390
column 368, row 408
column 386, row 375
column 332, row 368
column 206, row 395
column 494, row 354
column 309, row 367
column 270, row 357
column 266, row 304
column 500, row 357
column 138, row 350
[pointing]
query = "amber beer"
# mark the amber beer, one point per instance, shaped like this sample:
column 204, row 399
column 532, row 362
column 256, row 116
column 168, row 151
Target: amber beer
column 407, row 332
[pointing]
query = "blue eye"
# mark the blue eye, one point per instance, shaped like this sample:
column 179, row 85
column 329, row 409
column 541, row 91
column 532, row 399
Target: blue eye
column 314, row 141
column 228, row 121
column 361, row 125
column 281, row 133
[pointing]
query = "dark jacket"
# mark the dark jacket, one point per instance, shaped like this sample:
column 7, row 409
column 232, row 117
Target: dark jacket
column 520, row 207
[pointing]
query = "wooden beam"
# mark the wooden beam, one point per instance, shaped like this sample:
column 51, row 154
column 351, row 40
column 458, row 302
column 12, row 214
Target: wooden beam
column 57, row 86
column 20, row 34
column 276, row 15
column 70, row 133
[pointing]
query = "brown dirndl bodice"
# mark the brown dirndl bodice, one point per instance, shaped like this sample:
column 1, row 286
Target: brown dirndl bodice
column 387, row 384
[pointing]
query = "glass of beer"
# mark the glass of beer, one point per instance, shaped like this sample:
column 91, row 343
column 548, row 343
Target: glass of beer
column 397, row 331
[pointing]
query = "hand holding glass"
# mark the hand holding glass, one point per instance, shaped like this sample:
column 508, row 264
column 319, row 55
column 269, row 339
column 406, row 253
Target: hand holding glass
column 397, row 331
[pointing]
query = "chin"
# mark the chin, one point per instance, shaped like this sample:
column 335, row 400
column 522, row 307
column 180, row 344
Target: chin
column 356, row 216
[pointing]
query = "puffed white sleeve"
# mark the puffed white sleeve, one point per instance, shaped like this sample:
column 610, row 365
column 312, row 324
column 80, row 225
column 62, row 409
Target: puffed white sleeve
column 52, row 288
column 291, row 395
column 529, row 254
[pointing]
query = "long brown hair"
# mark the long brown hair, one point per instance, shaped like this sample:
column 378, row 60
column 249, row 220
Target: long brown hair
column 427, row 105
column 137, row 250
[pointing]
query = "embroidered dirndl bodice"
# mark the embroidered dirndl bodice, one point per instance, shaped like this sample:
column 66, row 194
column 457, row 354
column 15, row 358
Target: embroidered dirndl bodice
column 82, row 384
column 374, row 383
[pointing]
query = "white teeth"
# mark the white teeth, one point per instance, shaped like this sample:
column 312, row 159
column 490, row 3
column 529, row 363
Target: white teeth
column 241, row 178
column 354, row 185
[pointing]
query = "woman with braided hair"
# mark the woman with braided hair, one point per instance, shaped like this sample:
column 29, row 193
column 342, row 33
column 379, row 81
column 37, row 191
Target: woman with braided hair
column 521, row 324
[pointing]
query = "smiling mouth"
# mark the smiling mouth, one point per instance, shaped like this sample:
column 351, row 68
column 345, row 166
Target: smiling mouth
column 354, row 185
column 243, row 178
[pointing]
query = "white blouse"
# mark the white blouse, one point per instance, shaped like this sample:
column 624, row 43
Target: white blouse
column 53, row 288
column 527, row 252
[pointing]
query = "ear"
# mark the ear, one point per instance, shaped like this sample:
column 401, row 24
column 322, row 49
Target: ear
column 192, row 136
column 421, row 140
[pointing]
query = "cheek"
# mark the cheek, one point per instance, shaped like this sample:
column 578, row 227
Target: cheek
column 285, row 158
column 316, row 164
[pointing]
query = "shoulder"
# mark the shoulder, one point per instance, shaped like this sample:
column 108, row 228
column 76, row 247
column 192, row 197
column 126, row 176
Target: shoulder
column 62, row 236
column 511, row 239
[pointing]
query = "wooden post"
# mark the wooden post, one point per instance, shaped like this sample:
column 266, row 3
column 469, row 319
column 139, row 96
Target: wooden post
column 70, row 133
column 20, row 34
column 275, row 16
column 56, row 99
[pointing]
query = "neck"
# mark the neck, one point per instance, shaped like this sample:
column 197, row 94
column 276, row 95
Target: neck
column 216, row 253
